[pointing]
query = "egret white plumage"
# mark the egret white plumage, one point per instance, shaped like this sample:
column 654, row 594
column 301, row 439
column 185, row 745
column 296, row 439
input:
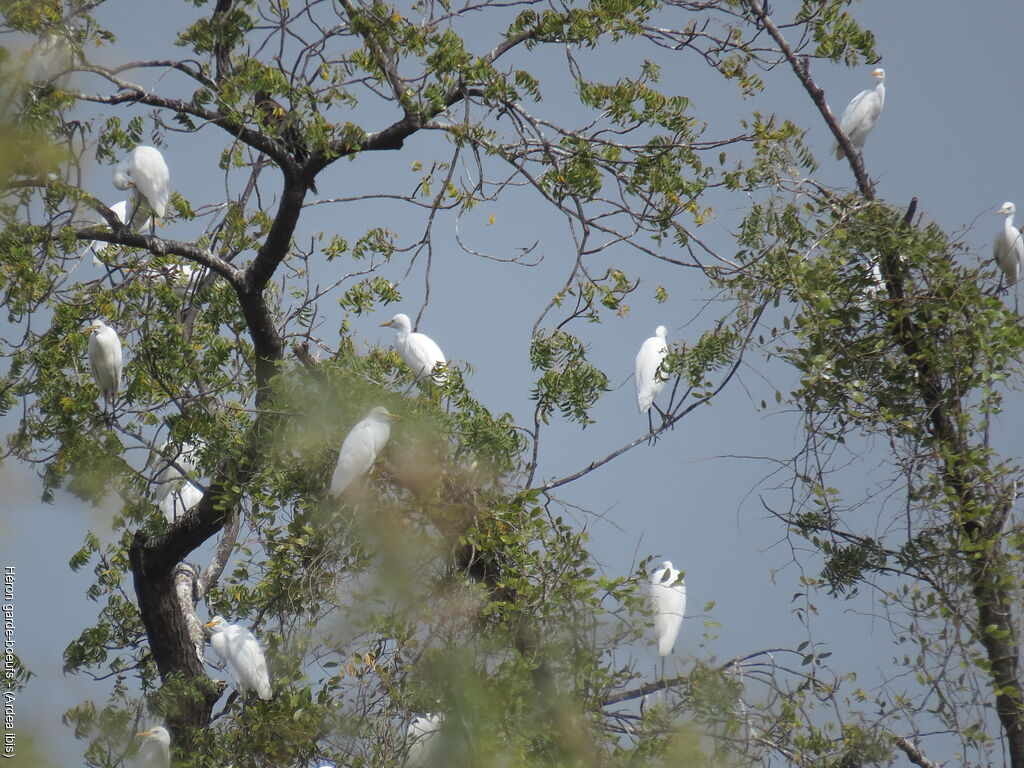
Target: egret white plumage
column 647, row 379
column 178, row 502
column 862, row 113
column 1008, row 248
column 155, row 750
column 175, row 465
column 421, row 735
column 106, row 361
column 145, row 172
column 667, row 592
column 240, row 651
column 119, row 209
column 419, row 351
column 361, row 447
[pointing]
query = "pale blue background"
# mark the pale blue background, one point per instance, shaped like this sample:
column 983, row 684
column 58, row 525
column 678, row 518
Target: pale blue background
column 950, row 135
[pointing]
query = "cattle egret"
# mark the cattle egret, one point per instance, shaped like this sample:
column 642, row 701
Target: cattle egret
column 105, row 359
column 155, row 750
column 648, row 381
column 421, row 735
column 178, row 502
column 241, row 653
column 145, row 171
column 361, row 447
column 862, row 113
column 119, row 209
column 419, row 351
column 668, row 599
column 174, row 466
column 1008, row 248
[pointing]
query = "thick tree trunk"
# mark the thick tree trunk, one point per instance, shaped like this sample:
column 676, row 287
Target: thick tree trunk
column 170, row 641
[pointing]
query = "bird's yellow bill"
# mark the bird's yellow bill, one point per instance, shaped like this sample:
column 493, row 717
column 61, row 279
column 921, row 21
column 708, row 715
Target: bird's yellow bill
column 143, row 734
column 385, row 325
column 211, row 623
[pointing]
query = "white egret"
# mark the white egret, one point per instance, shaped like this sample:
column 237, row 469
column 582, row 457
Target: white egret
column 419, row 351
column 240, row 651
column 421, row 736
column 862, row 113
column 361, row 447
column 667, row 591
column 145, row 171
column 174, row 466
column 648, row 381
column 1008, row 248
column 155, row 750
column 120, row 209
column 106, row 361
column 178, row 502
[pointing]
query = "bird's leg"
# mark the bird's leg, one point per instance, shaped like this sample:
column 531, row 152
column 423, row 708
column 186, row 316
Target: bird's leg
column 136, row 204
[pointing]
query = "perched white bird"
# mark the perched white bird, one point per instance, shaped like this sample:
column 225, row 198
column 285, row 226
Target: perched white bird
column 862, row 113
column 145, row 171
column 106, row 361
column 174, row 465
column 155, row 750
column 421, row 736
column 239, row 649
column 120, row 209
column 1008, row 248
column 648, row 381
column 419, row 351
column 668, row 599
column 361, row 447
column 178, row 502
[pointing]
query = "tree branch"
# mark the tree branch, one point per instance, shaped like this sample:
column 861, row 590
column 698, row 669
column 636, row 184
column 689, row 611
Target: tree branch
column 913, row 753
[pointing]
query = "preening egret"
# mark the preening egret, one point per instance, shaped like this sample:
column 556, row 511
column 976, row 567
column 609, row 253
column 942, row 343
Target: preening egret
column 1008, row 248
column 862, row 113
column 106, row 361
column 155, row 750
column 145, row 171
column 174, row 466
column 178, row 502
column 668, row 599
column 361, row 447
column 241, row 652
column 419, row 351
column 421, row 736
column 648, row 381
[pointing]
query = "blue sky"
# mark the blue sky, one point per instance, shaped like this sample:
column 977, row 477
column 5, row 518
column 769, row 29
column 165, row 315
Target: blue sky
column 950, row 135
